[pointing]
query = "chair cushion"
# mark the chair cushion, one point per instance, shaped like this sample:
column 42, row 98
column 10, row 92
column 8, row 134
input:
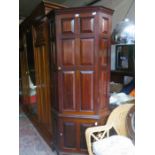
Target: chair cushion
column 114, row 145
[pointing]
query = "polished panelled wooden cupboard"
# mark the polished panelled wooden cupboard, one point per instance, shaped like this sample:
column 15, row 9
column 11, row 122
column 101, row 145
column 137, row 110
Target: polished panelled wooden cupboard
column 80, row 73
column 34, row 46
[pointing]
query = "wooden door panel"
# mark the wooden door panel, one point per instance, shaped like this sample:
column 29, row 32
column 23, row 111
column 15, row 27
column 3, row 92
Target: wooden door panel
column 104, row 77
column 68, row 52
column 103, row 89
column 69, row 91
column 43, row 85
column 40, row 94
column 87, row 24
column 69, row 132
column 104, row 52
column 42, row 90
column 87, row 90
column 68, row 25
column 72, row 133
column 40, row 33
column 105, row 25
column 83, row 127
column 87, row 51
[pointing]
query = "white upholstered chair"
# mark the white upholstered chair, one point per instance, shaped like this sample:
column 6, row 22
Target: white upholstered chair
column 97, row 139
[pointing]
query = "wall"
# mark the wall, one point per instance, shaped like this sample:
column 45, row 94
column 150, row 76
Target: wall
column 121, row 11
column 120, row 8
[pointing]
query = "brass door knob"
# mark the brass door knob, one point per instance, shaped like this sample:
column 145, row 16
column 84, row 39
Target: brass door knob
column 59, row 68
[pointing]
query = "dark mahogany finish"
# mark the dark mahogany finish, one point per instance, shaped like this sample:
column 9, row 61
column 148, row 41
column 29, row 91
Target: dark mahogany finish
column 80, row 71
column 37, row 25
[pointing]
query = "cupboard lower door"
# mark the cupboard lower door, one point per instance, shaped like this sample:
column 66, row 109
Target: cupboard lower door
column 72, row 134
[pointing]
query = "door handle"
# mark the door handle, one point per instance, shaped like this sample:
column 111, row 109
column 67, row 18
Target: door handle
column 59, row 68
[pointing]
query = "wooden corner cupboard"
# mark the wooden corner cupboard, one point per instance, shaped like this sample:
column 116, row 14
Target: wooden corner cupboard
column 80, row 73
column 70, row 51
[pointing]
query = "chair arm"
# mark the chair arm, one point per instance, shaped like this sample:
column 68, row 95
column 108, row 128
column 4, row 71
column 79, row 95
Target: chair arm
column 89, row 132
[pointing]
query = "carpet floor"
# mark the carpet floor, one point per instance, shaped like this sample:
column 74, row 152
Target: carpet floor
column 30, row 141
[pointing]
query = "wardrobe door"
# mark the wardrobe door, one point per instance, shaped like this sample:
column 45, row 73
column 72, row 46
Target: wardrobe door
column 42, row 73
column 66, row 62
column 86, row 62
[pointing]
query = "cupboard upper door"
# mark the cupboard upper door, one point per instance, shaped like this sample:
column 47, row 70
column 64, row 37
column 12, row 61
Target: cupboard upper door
column 76, row 47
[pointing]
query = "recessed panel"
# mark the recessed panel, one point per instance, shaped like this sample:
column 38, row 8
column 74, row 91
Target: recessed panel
column 67, row 25
column 104, row 75
column 68, row 52
column 87, row 90
column 83, row 128
column 104, row 51
column 105, row 25
column 87, row 25
column 69, row 90
column 69, row 135
column 103, row 89
column 87, row 51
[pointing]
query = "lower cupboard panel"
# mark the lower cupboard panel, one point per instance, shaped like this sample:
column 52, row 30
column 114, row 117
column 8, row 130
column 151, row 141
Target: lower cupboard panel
column 71, row 134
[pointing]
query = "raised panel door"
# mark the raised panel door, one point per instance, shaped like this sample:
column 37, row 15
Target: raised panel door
column 75, row 66
column 76, row 62
column 72, row 133
column 66, row 62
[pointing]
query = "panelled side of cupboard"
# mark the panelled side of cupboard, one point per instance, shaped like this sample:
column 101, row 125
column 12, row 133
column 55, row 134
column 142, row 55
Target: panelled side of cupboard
column 80, row 71
column 34, row 46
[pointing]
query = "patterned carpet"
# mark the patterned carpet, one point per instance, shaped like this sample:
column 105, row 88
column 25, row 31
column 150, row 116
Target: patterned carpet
column 30, row 141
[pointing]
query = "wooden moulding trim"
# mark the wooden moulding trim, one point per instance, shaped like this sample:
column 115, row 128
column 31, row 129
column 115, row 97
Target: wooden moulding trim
column 42, row 7
column 83, row 9
column 48, row 4
column 79, row 116
column 74, row 115
column 102, row 114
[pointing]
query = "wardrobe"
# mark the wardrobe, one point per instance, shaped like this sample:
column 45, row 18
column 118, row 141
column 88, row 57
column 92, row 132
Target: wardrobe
column 80, row 73
column 34, row 67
